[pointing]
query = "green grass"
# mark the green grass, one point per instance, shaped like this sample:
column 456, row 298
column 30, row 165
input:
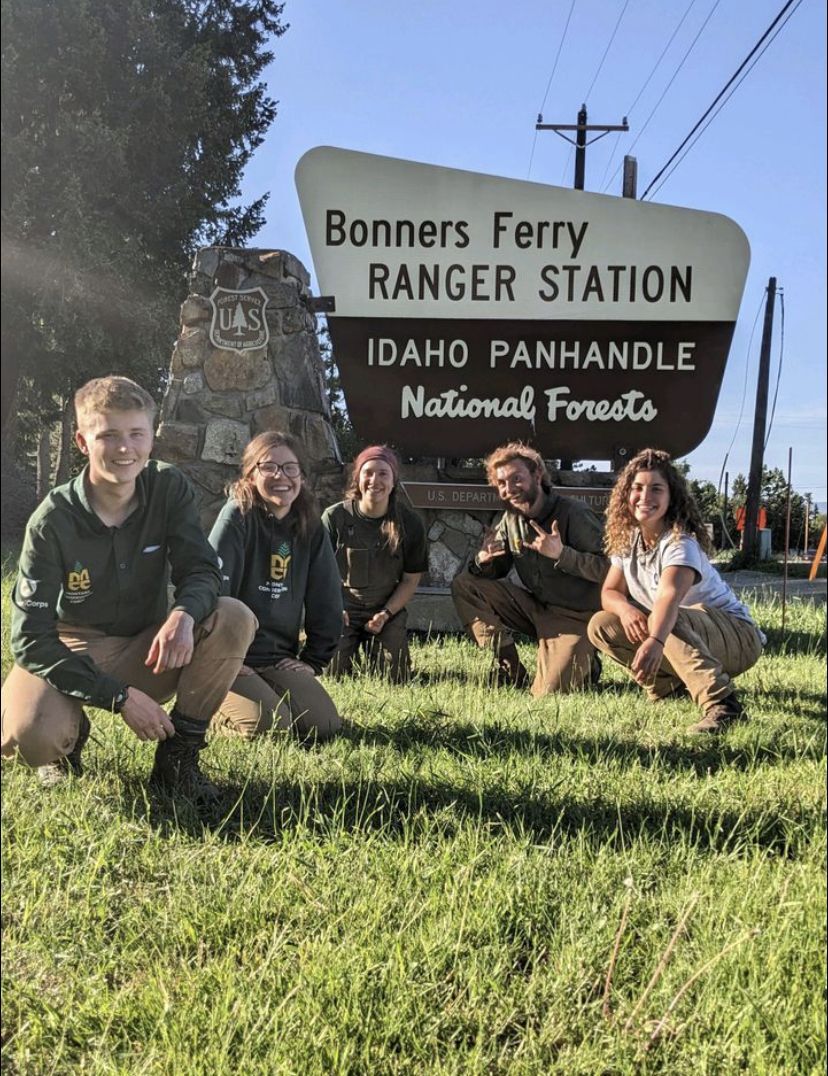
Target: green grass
column 438, row 891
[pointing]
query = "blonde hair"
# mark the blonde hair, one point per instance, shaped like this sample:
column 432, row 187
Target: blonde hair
column 517, row 450
column 302, row 515
column 683, row 515
column 111, row 393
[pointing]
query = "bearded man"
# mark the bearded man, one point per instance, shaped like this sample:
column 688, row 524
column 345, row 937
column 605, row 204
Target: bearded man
column 538, row 573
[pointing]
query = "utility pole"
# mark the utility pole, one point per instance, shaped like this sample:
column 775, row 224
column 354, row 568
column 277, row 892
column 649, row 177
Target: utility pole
column 580, row 143
column 750, row 542
column 807, row 523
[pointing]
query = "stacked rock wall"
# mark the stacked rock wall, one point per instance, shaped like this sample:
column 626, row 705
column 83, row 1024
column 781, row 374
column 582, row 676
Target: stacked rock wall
column 246, row 360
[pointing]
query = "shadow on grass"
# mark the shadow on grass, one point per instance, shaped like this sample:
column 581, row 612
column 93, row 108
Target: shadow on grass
column 702, row 755
column 266, row 812
column 807, row 704
column 794, row 642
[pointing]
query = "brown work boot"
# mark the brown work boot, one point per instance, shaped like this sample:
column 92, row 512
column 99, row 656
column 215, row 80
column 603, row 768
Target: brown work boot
column 721, row 715
column 509, row 670
column 176, row 769
column 55, row 773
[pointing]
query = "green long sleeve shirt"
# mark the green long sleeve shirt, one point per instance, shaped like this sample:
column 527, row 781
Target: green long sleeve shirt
column 573, row 581
column 76, row 570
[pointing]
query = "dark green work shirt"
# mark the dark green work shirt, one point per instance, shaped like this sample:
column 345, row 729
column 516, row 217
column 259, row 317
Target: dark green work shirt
column 76, row 570
column 573, row 581
column 370, row 569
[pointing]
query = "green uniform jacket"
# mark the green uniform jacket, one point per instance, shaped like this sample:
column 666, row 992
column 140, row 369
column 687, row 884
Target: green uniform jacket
column 573, row 581
column 280, row 577
column 76, row 570
column 370, row 570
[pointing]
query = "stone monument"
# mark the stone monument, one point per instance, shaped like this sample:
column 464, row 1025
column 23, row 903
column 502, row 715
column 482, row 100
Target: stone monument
column 246, row 360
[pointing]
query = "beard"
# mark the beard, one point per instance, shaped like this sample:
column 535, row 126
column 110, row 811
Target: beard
column 520, row 503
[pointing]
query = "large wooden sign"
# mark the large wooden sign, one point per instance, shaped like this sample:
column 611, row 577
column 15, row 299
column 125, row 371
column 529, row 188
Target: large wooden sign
column 472, row 310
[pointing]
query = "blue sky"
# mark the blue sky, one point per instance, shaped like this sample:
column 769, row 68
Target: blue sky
column 460, row 84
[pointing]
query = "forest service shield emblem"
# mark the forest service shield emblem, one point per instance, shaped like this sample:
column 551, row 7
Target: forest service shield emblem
column 239, row 321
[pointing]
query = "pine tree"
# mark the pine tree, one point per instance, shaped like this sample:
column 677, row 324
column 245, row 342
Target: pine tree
column 126, row 127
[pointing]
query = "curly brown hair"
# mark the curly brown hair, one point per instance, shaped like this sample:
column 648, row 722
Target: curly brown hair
column 303, row 514
column 517, row 450
column 683, row 515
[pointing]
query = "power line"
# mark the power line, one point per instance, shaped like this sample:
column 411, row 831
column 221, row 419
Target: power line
column 721, row 93
column 606, row 51
column 549, row 84
column 732, row 90
column 644, row 86
column 666, row 89
column 744, row 390
column 779, row 366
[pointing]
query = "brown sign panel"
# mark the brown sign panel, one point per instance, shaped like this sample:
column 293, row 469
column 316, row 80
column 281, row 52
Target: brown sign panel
column 457, row 388
column 472, row 310
column 472, row 497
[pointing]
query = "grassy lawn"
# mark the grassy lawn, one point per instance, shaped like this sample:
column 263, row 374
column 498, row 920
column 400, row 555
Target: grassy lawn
column 467, row 881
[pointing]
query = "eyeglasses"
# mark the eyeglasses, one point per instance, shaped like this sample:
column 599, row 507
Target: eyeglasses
column 289, row 470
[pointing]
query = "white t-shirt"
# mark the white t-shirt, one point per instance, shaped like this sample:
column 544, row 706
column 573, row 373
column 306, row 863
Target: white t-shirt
column 643, row 568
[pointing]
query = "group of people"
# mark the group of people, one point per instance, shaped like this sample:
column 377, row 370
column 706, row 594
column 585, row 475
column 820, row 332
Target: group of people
column 276, row 595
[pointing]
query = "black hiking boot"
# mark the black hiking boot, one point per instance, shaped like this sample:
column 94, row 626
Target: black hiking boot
column 721, row 715
column 55, row 773
column 176, row 768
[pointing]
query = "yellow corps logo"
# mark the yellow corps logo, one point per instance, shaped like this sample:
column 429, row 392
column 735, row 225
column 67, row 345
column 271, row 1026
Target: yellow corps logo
column 279, row 566
column 78, row 580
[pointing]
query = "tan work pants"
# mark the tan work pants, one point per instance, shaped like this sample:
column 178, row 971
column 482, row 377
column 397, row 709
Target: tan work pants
column 41, row 723
column 491, row 609
column 279, row 698
column 705, row 649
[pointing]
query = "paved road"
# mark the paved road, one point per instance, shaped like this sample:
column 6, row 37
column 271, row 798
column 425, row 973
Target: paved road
column 766, row 586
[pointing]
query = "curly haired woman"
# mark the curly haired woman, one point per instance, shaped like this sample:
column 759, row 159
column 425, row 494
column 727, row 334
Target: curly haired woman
column 668, row 616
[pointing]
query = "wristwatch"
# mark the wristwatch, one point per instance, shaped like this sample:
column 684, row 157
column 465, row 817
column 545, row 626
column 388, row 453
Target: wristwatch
column 120, row 700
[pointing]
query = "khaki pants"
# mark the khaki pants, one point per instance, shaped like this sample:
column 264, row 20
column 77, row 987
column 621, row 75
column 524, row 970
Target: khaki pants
column 41, row 723
column 278, row 698
column 703, row 651
column 491, row 609
column 387, row 652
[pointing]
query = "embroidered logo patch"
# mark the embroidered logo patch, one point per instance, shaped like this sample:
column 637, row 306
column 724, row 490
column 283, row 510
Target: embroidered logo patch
column 78, row 586
column 26, row 587
column 279, row 563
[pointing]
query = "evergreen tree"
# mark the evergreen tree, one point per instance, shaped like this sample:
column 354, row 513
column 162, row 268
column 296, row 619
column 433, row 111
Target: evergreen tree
column 126, row 126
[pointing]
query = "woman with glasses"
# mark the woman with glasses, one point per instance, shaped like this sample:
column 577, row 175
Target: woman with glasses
column 276, row 558
column 381, row 551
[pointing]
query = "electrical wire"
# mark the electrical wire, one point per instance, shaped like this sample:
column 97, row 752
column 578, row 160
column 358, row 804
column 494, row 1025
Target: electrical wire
column 549, row 84
column 722, row 92
column 781, row 295
column 644, row 86
column 722, row 104
column 666, row 89
column 606, row 51
column 744, row 389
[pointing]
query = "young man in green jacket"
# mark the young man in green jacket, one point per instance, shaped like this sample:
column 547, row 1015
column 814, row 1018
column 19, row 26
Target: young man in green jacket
column 90, row 620
column 539, row 573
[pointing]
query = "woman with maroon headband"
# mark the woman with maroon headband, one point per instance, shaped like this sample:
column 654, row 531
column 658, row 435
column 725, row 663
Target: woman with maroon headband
column 380, row 547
